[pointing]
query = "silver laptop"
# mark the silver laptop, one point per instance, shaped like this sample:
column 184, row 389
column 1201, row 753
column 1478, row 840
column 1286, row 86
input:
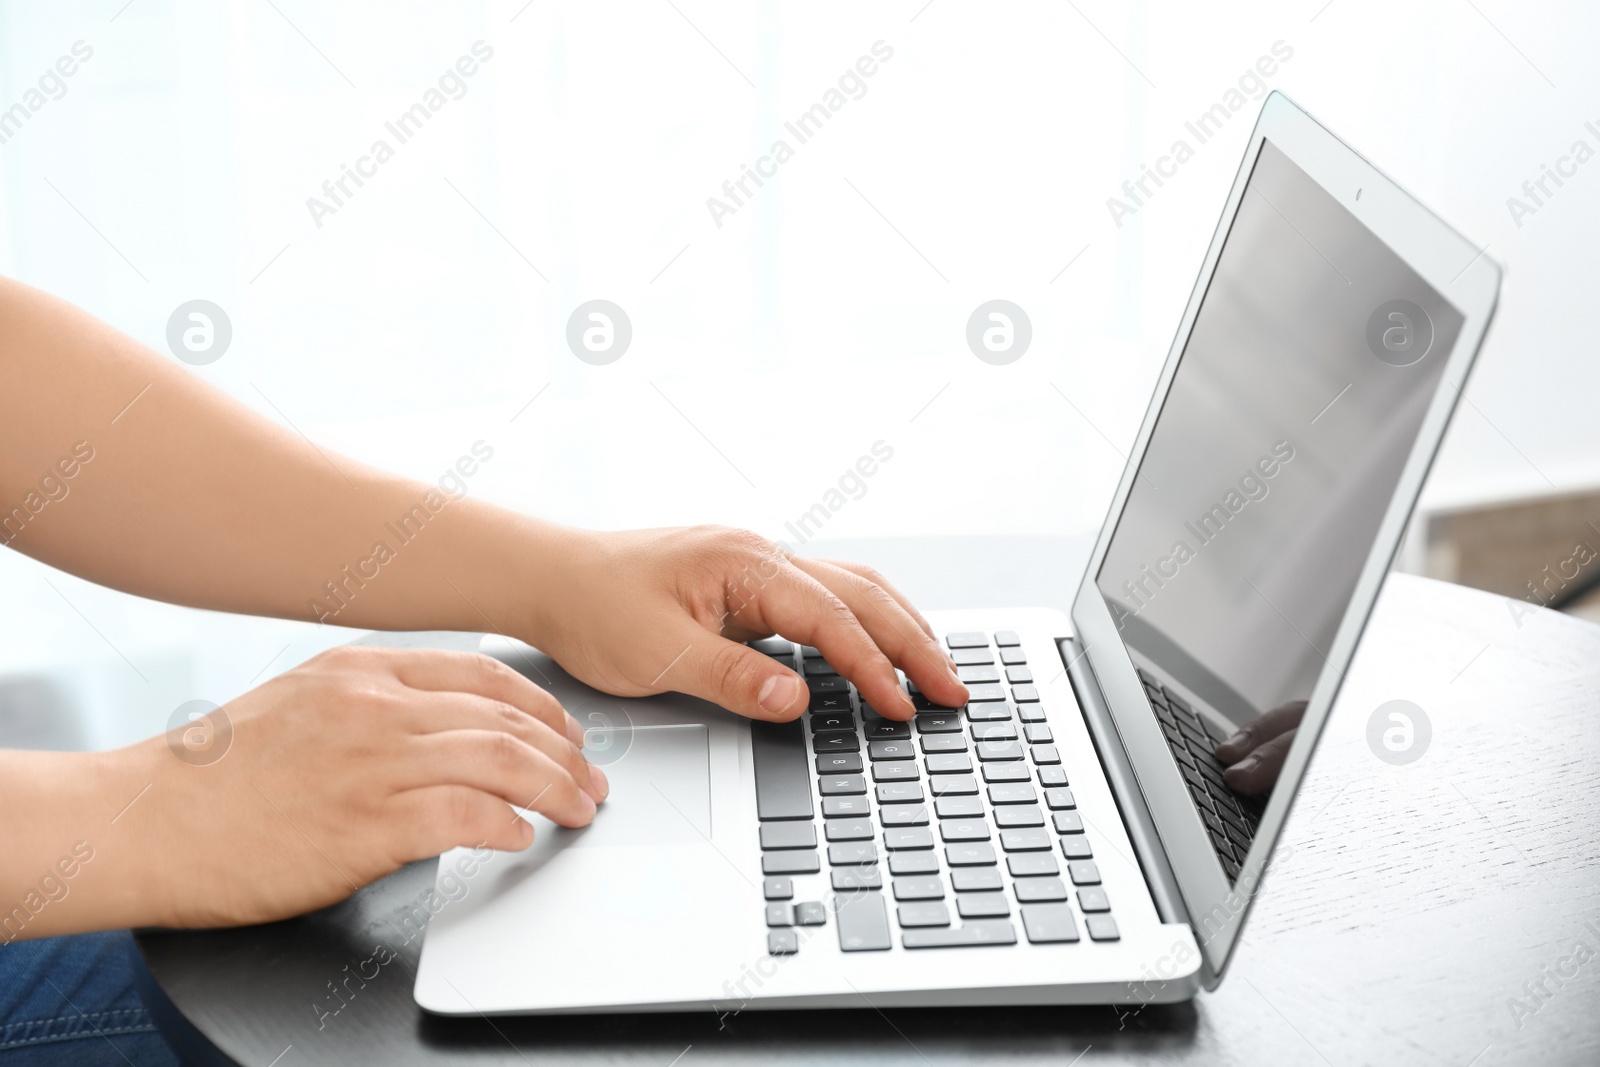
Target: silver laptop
column 1069, row 835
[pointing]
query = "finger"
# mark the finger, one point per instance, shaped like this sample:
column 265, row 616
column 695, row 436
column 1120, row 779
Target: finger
column 441, row 817
column 436, row 713
column 472, row 672
column 895, row 631
column 494, row 762
column 1257, row 772
column 734, row 676
column 1263, row 729
column 877, row 579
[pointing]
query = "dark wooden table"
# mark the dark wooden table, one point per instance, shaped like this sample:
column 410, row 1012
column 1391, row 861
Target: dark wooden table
column 1428, row 913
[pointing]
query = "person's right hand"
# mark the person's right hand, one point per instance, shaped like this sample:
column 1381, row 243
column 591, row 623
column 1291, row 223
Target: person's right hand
column 339, row 772
column 1254, row 756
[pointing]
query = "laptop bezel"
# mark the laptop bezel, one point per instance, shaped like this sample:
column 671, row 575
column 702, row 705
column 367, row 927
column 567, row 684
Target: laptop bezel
column 1470, row 281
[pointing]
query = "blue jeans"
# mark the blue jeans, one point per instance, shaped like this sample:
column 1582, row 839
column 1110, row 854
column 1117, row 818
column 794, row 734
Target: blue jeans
column 71, row 1001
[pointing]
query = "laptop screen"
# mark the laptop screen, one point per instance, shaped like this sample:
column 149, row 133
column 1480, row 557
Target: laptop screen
column 1310, row 366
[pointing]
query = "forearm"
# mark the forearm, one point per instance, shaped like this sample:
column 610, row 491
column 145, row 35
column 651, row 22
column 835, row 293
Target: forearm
column 181, row 494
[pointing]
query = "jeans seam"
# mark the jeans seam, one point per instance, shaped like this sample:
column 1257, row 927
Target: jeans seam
column 78, row 1027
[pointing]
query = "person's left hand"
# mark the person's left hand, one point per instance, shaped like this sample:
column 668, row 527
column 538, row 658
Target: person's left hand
column 1254, row 756
column 646, row 611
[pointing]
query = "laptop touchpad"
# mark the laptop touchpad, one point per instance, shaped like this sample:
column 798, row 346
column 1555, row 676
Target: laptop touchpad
column 660, row 789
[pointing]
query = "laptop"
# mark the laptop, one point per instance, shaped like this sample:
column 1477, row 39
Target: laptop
column 1069, row 836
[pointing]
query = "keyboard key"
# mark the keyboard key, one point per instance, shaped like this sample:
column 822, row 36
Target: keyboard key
column 1044, row 754
column 1009, row 656
column 1007, row 639
column 782, row 943
column 976, row 879
column 1102, row 927
column 1093, row 899
column 1067, row 822
column 818, row 668
column 852, row 853
column 1030, row 712
column 1039, row 890
column 808, row 652
column 790, row 863
column 1060, row 799
column 954, row 742
column 968, row 639
column 891, row 750
column 954, row 830
column 1029, row 840
column 788, row 835
column 1005, row 772
column 1031, row 864
column 827, row 722
column 810, row 913
column 1025, row 694
column 989, row 932
column 977, row 694
column 887, row 730
column 903, row 815
column 839, row 763
column 1008, row 817
column 926, row 913
column 1084, row 872
column 994, row 712
column 907, row 838
column 939, row 722
column 851, row 879
column 1037, row 733
column 1052, row 776
column 895, row 772
column 1076, row 847
column 777, row 888
column 913, row 863
column 863, row 922
column 953, row 785
column 1012, row 793
column 979, row 855
column 842, row 785
column 923, row 887
column 783, row 786
column 836, row 743
column 828, row 684
column 845, row 807
column 949, row 763
column 994, row 731
column 773, row 646
column 983, row 905
column 1019, row 676
column 995, row 751
column 836, row 700
column 959, row 807
column 974, row 675
column 900, row 793
column 848, row 830
column 1048, row 923
column 969, row 657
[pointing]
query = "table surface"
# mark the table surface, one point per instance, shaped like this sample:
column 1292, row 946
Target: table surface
column 1428, row 913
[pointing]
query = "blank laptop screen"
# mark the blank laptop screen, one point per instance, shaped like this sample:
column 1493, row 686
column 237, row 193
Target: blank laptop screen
column 1312, row 361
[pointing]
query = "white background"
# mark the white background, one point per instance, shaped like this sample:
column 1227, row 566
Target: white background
column 827, row 313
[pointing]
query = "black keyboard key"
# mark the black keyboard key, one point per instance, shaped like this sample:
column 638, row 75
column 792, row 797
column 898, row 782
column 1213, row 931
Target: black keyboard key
column 921, row 887
column 1084, row 872
column 987, row 932
column 853, row 879
column 783, row 784
column 788, row 835
column 1005, row 772
column 952, row 742
column 978, row 855
column 953, row 785
column 1051, row 777
column 908, row 838
column 810, row 913
column 1031, row 865
column 887, row 730
column 1049, row 923
column 863, row 922
column 790, row 863
column 1007, row 638
column 809, row 652
column 1076, row 847
column 1038, row 734
column 848, row 830
column 1019, row 815
column 1030, row 712
column 895, row 772
column 777, row 888
column 900, row 793
column 1102, row 927
column 1093, row 899
column 851, row 853
column 839, row 763
column 939, row 722
column 1025, row 694
column 1045, row 755
column 959, row 807
column 913, row 863
column 819, row 668
column 983, row 905
column 952, row 831
column 1067, row 822
column 970, row 657
column 841, row 785
column 993, row 712
column 903, row 815
column 976, row 879
column 1010, row 656
column 975, row 675
column 773, row 646
column 1012, row 793
column 967, row 639
column 835, row 743
column 1039, row 890
column 835, row 701
column 782, row 943
column 845, row 807
column 1019, row 676
column 828, row 722
column 1028, row 840
column 949, row 763
column 828, row 684
column 978, row 694
column 923, row 913
column 891, row 750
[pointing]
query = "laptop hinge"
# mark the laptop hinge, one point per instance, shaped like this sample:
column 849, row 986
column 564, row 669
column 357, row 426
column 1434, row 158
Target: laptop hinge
column 1124, row 785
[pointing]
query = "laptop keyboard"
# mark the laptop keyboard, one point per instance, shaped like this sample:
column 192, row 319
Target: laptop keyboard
column 1231, row 819
column 948, row 830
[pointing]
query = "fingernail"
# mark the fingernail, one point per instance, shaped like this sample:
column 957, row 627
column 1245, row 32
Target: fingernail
column 602, row 784
column 1248, row 764
column 574, row 731
column 779, row 693
column 589, row 807
column 905, row 702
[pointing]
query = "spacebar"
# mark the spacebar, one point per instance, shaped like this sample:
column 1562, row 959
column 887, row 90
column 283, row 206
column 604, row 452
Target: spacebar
column 974, row 932
column 783, row 777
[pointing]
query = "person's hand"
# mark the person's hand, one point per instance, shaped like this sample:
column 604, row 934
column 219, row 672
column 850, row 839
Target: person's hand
column 1254, row 756
column 647, row 611
column 337, row 773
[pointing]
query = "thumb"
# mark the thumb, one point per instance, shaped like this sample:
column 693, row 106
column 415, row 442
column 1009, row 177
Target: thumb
column 737, row 677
